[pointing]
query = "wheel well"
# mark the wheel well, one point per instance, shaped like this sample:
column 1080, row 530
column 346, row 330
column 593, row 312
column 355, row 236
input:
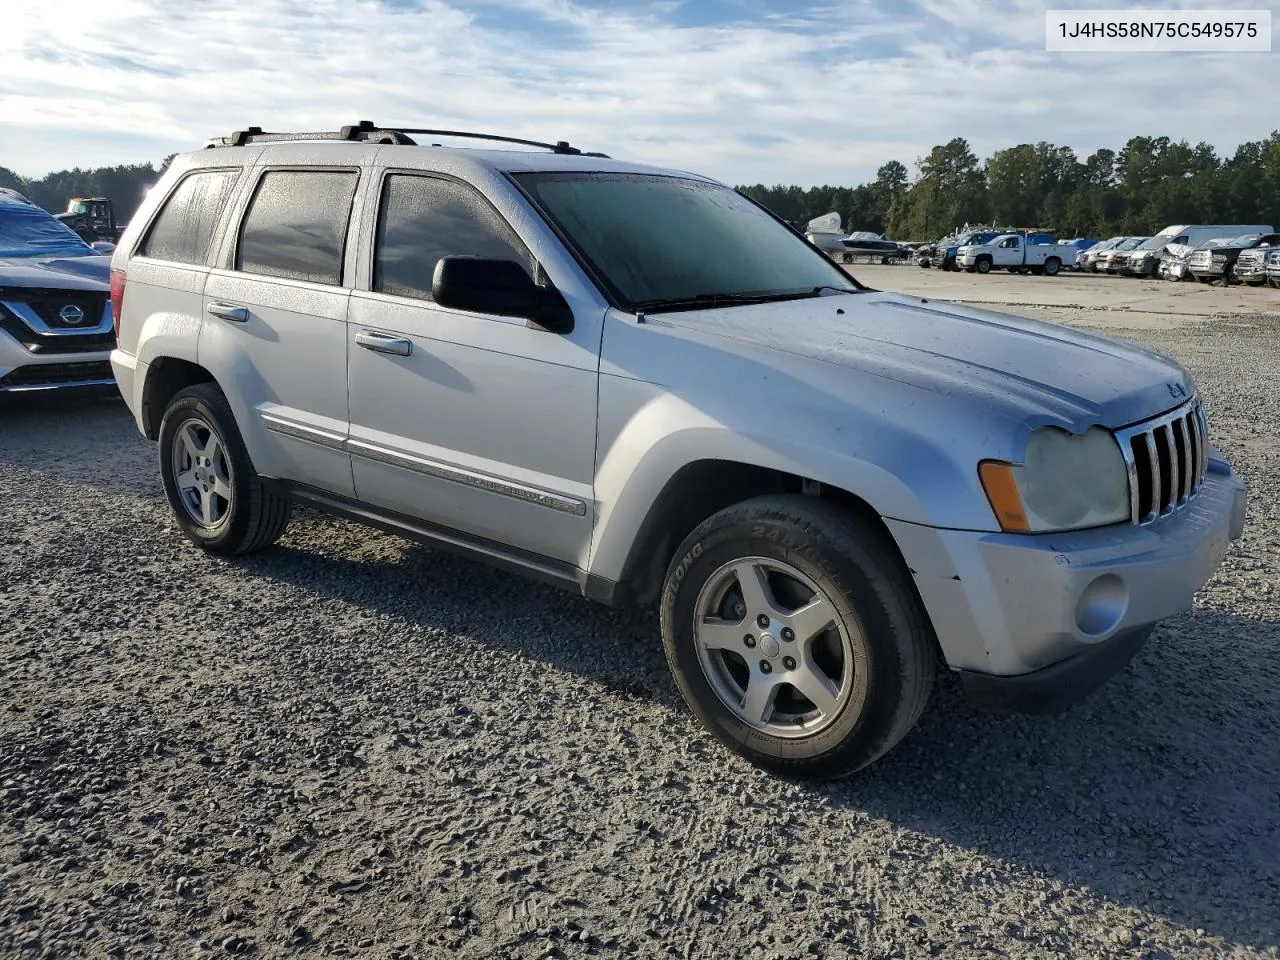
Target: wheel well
column 167, row 376
column 693, row 494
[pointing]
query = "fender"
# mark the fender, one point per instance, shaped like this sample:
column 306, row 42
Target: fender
column 664, row 433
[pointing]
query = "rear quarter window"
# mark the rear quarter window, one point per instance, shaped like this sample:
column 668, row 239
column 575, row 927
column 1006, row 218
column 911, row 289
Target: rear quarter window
column 296, row 225
column 183, row 231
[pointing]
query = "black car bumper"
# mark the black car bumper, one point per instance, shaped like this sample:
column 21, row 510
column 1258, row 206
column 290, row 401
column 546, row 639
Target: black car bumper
column 1058, row 685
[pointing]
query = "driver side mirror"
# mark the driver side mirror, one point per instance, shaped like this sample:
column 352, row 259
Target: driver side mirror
column 502, row 288
column 103, row 246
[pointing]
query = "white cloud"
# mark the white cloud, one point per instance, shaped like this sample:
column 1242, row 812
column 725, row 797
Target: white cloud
column 824, row 95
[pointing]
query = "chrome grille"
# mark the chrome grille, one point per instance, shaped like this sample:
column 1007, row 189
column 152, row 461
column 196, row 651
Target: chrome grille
column 1167, row 458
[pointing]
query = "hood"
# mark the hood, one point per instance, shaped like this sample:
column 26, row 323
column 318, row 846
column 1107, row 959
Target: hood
column 1032, row 372
column 62, row 273
column 1178, row 251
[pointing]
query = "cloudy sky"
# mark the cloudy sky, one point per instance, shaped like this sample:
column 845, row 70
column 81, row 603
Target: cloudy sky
column 744, row 90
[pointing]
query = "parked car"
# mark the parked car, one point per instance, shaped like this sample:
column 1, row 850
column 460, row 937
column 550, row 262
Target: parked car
column 1251, row 265
column 1273, row 268
column 1144, row 259
column 1219, row 263
column 1173, row 262
column 1071, row 259
column 945, row 253
column 1091, row 258
column 639, row 385
column 55, row 319
column 93, row 219
column 1013, row 252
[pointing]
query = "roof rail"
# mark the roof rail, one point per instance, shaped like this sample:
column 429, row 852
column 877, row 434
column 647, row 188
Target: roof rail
column 366, row 131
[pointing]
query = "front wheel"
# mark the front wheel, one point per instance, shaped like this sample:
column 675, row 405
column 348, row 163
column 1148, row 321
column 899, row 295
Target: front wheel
column 796, row 636
column 218, row 500
column 983, row 265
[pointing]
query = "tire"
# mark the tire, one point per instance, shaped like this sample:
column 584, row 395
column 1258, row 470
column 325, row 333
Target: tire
column 887, row 653
column 983, row 265
column 1052, row 266
column 218, row 499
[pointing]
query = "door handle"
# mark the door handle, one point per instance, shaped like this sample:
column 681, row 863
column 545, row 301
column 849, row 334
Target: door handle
column 384, row 343
column 229, row 311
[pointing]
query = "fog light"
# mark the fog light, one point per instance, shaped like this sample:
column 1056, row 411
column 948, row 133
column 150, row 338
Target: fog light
column 1102, row 605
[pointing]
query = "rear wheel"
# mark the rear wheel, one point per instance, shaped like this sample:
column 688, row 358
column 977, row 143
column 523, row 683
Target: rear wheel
column 795, row 634
column 218, row 500
column 1052, row 266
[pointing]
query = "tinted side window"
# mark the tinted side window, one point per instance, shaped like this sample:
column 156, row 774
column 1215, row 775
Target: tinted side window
column 296, row 225
column 422, row 219
column 183, row 231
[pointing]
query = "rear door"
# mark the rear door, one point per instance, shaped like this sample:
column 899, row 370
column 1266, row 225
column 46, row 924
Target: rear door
column 168, row 267
column 477, row 423
column 275, row 322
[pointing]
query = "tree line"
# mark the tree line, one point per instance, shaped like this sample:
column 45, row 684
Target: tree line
column 125, row 185
column 1150, row 183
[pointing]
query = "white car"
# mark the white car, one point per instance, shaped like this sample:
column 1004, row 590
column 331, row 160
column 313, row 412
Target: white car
column 1013, row 252
column 55, row 318
column 637, row 384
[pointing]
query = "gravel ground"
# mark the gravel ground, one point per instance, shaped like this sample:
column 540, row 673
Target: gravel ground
column 354, row 746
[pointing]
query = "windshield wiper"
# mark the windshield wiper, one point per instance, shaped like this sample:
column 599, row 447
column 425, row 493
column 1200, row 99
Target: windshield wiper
column 716, row 299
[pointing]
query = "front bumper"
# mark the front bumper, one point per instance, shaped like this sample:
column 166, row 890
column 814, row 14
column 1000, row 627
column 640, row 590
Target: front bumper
column 1010, row 605
column 1207, row 269
column 37, row 359
column 1250, row 272
column 1139, row 268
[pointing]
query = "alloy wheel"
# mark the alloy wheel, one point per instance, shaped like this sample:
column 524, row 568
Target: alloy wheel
column 774, row 649
column 202, row 473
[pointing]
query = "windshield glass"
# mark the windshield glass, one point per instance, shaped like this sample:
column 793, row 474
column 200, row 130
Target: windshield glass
column 28, row 231
column 1156, row 242
column 1130, row 242
column 653, row 240
column 1247, row 240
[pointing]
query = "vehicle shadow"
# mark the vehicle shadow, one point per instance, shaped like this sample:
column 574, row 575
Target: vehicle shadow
column 1151, row 794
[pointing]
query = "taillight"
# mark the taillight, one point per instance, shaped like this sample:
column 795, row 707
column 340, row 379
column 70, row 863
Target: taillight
column 117, row 299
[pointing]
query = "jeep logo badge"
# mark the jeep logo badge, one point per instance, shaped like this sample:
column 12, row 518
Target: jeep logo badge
column 1176, row 391
column 71, row 315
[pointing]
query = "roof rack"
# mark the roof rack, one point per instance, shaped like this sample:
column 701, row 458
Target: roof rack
column 366, row 131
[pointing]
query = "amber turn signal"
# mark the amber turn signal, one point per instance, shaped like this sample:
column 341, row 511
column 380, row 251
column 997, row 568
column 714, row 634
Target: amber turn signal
column 1002, row 494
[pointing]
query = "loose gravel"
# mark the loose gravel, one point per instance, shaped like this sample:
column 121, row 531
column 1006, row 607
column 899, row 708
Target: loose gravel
column 354, row 746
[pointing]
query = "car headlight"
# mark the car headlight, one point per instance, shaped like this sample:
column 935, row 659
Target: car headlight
column 1066, row 482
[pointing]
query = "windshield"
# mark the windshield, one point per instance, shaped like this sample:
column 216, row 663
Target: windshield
column 1156, row 242
column 1130, row 242
column 28, row 231
column 656, row 240
column 1247, row 240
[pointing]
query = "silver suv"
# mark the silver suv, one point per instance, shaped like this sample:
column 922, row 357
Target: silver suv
column 639, row 385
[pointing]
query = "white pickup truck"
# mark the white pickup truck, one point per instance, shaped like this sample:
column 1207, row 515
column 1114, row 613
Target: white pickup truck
column 1012, row 252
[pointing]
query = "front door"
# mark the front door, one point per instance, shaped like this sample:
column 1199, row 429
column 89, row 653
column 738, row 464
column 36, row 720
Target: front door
column 1009, row 253
column 275, row 326
column 476, row 423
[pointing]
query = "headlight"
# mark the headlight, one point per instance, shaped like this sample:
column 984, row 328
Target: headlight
column 1066, row 483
